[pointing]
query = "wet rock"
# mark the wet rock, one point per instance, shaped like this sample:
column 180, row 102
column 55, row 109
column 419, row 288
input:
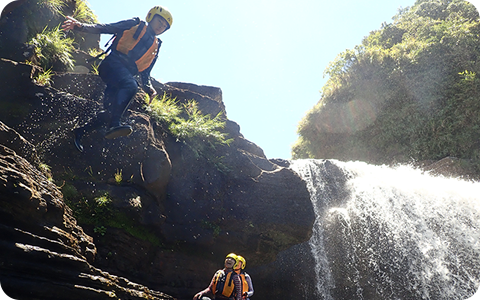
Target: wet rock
column 44, row 253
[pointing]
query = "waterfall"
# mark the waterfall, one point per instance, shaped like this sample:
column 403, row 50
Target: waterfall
column 392, row 233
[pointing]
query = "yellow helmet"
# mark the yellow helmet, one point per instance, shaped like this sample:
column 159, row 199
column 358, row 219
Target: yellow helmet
column 162, row 12
column 233, row 256
column 244, row 262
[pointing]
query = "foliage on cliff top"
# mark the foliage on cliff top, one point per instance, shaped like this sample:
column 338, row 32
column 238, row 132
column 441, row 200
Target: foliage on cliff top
column 38, row 13
column 52, row 46
column 187, row 123
column 201, row 133
column 84, row 13
column 409, row 91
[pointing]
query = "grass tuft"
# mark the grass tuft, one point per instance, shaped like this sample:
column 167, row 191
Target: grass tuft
column 52, row 48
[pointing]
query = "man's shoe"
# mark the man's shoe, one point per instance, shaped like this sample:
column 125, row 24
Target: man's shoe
column 118, row 131
column 77, row 140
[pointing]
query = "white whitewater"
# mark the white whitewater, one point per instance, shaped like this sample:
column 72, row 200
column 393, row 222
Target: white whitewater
column 408, row 233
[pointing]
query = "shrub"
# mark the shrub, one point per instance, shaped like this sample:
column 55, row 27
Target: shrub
column 53, row 50
column 44, row 78
column 164, row 109
column 199, row 127
column 201, row 133
column 83, row 13
column 193, row 129
column 54, row 6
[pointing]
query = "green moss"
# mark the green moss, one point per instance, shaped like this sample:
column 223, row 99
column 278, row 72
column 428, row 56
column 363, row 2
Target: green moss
column 212, row 226
column 100, row 213
column 16, row 110
column 122, row 221
column 69, row 191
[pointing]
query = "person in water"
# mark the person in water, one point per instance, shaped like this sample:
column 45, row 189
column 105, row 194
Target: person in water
column 226, row 284
column 134, row 51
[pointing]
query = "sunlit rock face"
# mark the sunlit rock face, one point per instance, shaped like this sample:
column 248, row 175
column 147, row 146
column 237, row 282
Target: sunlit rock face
column 395, row 230
column 146, row 208
column 169, row 208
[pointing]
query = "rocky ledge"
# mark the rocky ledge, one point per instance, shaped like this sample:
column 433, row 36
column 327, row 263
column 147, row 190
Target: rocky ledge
column 70, row 223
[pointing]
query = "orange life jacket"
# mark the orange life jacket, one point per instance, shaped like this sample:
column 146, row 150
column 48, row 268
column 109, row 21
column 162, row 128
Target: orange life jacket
column 223, row 283
column 139, row 48
column 244, row 281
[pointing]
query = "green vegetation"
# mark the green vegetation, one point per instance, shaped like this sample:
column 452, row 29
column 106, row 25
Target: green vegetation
column 46, row 170
column 103, row 201
column 52, row 46
column 199, row 127
column 69, row 192
column 186, row 122
column 54, row 6
column 212, row 226
column 52, row 49
column 101, row 230
column 165, row 109
column 118, row 177
column 41, row 13
column 44, row 78
column 83, row 13
column 87, row 211
column 101, row 215
column 95, row 67
column 93, row 52
column 409, row 91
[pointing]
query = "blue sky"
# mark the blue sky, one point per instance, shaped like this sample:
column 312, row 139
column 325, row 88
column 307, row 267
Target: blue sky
column 268, row 57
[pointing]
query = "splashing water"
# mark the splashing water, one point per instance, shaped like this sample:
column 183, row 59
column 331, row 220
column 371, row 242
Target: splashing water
column 392, row 233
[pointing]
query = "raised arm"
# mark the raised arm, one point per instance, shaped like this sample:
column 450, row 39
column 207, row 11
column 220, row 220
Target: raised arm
column 72, row 24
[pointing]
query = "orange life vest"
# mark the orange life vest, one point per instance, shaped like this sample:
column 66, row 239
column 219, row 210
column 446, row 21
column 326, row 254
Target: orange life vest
column 139, row 48
column 223, row 283
column 244, row 281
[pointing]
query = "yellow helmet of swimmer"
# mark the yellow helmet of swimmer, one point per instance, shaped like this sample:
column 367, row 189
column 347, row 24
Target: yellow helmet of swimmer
column 162, row 12
column 244, row 262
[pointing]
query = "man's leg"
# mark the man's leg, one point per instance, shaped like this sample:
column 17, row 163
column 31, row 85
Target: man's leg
column 99, row 120
column 123, row 86
column 126, row 91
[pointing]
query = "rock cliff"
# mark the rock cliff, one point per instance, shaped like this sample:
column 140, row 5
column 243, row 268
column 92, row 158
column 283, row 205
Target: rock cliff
column 45, row 254
column 137, row 215
column 145, row 207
